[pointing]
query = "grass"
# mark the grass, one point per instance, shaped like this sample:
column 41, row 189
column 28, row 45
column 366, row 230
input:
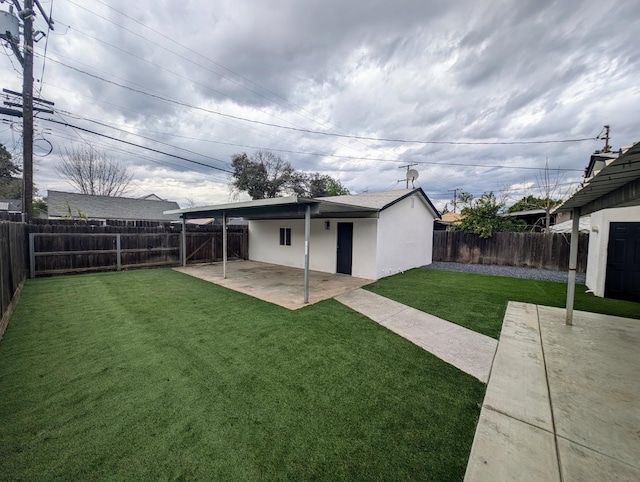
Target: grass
column 478, row 301
column 156, row 375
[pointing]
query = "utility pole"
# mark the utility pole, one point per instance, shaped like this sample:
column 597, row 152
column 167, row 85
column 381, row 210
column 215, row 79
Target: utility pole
column 607, row 147
column 406, row 178
column 27, row 112
column 455, row 197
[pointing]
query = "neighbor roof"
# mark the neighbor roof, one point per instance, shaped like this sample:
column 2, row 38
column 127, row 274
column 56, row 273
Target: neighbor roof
column 11, row 205
column 292, row 207
column 615, row 185
column 108, row 207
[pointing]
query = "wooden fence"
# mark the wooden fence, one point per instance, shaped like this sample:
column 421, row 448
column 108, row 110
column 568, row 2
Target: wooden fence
column 530, row 250
column 64, row 247
column 13, row 268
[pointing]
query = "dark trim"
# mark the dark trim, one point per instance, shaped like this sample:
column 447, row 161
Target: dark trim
column 416, row 190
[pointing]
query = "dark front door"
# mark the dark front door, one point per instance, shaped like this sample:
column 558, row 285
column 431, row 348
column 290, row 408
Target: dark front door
column 345, row 247
column 623, row 262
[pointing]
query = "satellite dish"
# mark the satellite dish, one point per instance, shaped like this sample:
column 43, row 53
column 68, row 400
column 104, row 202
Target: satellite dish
column 412, row 175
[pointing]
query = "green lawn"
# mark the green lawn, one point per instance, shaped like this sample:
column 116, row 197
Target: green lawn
column 479, row 301
column 152, row 374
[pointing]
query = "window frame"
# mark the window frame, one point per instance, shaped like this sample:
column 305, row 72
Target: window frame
column 285, row 236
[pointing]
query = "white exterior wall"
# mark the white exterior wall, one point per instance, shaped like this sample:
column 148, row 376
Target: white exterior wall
column 264, row 244
column 405, row 236
column 599, row 243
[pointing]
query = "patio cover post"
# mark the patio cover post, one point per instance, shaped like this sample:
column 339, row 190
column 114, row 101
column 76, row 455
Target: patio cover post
column 183, row 242
column 224, row 245
column 307, row 235
column 573, row 262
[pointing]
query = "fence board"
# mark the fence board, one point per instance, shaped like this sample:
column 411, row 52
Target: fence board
column 530, row 250
column 81, row 246
column 13, row 268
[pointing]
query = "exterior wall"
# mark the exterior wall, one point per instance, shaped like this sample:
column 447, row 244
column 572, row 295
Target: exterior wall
column 405, row 236
column 599, row 241
column 264, row 244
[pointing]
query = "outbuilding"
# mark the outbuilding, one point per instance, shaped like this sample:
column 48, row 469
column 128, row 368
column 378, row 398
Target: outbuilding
column 611, row 194
column 369, row 235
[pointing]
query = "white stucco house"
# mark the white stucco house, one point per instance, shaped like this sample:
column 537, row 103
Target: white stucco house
column 610, row 193
column 393, row 234
column 368, row 235
column 613, row 261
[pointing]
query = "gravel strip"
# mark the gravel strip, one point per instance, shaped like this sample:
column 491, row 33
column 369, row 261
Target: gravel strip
column 510, row 271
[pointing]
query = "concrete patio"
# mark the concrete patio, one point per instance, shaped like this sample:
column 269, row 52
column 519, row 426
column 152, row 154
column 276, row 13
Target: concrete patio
column 563, row 402
column 276, row 284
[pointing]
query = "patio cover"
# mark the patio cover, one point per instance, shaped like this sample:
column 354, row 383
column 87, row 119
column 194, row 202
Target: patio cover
column 295, row 207
column 616, row 185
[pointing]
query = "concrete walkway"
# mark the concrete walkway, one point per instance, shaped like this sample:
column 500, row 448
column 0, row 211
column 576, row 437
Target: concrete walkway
column 563, row 402
column 467, row 350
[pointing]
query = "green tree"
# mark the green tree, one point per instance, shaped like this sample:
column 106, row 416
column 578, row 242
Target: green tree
column 318, row 185
column 482, row 216
column 7, row 166
column 40, row 207
column 265, row 175
column 10, row 184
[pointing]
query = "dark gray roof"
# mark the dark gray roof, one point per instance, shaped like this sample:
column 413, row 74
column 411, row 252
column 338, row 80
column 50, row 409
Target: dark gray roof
column 354, row 206
column 615, row 185
column 106, row 207
column 11, row 205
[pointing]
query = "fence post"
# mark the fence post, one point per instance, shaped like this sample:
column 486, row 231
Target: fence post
column 32, row 256
column 118, row 249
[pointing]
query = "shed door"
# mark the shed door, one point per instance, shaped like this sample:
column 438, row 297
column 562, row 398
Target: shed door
column 623, row 262
column 345, row 247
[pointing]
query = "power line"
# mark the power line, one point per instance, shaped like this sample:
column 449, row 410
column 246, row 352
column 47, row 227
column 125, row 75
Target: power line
column 311, row 131
column 148, row 138
column 318, row 154
column 138, row 145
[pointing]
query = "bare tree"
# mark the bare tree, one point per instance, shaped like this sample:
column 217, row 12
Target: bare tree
column 93, row 172
column 549, row 195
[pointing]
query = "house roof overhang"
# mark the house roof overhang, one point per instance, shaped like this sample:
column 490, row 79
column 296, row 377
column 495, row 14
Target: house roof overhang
column 292, row 207
column 616, row 185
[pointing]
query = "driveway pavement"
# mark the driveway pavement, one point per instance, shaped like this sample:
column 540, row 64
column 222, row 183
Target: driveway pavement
column 563, row 402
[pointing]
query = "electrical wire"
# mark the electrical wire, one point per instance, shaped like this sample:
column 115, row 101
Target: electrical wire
column 138, row 145
column 46, row 45
column 319, row 154
column 332, row 134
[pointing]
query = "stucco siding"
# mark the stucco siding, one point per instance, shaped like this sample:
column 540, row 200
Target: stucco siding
column 405, row 236
column 599, row 243
column 264, row 245
column 364, row 247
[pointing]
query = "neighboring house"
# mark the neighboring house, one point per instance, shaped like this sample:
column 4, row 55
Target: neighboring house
column 85, row 206
column 152, row 197
column 447, row 220
column 566, row 226
column 366, row 235
column 536, row 219
column 11, row 205
column 611, row 194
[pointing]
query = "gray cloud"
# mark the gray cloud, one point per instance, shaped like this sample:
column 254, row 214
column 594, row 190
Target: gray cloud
column 444, row 71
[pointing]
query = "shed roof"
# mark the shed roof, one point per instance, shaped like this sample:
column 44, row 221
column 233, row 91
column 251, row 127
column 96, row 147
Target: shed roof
column 109, row 207
column 294, row 207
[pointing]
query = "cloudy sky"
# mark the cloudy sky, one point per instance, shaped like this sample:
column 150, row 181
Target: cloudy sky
column 471, row 92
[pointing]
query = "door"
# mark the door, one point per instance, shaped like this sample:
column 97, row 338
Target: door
column 623, row 262
column 345, row 247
